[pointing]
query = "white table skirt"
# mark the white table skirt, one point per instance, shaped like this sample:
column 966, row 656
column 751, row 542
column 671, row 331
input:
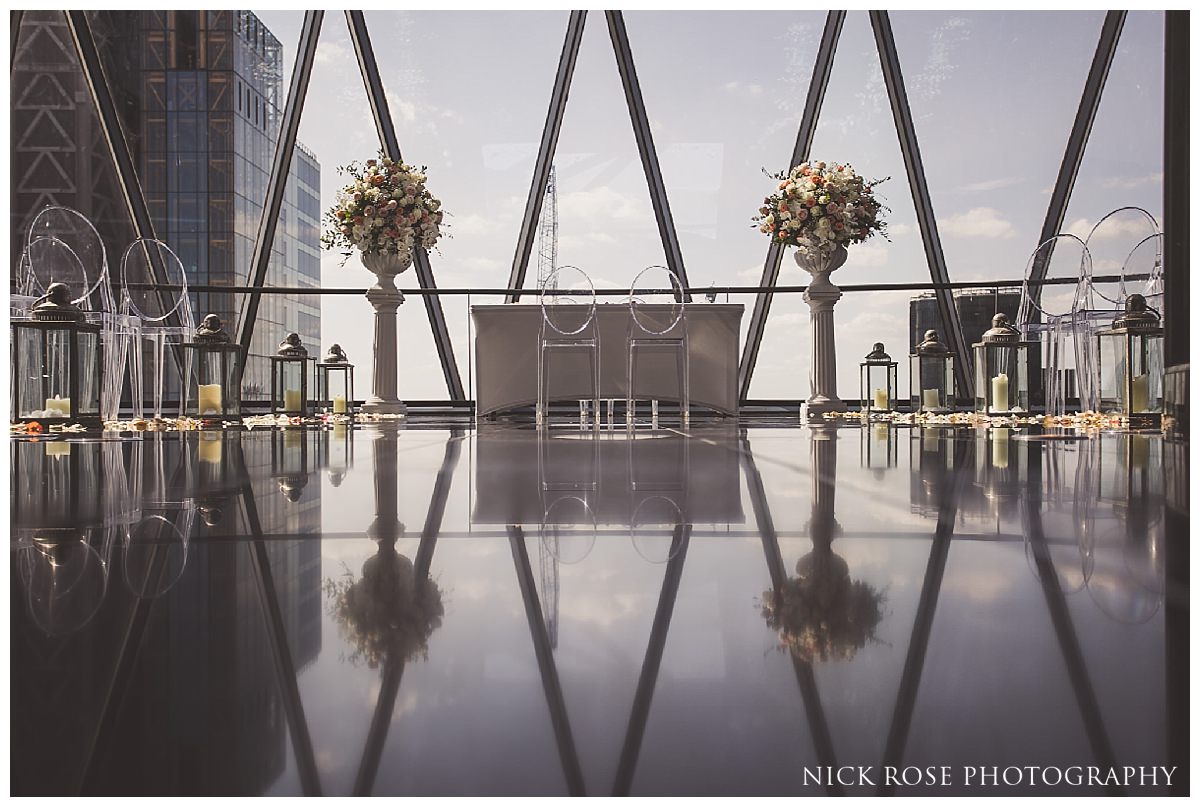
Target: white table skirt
column 506, row 352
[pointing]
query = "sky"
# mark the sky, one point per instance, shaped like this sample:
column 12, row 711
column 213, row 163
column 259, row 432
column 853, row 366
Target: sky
column 993, row 96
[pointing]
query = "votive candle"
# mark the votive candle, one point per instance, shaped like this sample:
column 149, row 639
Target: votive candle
column 930, row 399
column 291, row 400
column 881, row 399
column 57, row 407
column 208, row 399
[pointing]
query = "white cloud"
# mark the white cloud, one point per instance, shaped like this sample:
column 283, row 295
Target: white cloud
column 473, row 224
column 602, row 203
column 1132, row 227
column 992, row 184
column 752, row 89
column 895, row 230
column 331, row 52
column 868, row 255
column 1128, row 183
column 978, row 222
column 482, row 264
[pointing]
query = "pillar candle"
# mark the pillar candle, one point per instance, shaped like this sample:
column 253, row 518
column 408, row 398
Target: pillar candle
column 881, row 399
column 208, row 400
column 57, row 407
column 1000, row 393
column 291, row 400
column 210, row 448
column 1000, row 448
column 930, row 399
column 1141, row 393
column 339, row 404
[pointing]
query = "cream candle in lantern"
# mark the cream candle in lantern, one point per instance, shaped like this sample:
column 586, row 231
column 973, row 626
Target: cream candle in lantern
column 209, row 399
column 930, row 399
column 291, row 400
column 1141, row 393
column 57, row 407
column 339, row 404
column 881, row 399
column 1000, row 393
column 1000, row 448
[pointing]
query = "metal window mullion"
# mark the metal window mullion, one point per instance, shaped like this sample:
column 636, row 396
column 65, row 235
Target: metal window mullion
column 1176, row 214
column 818, row 83
column 277, row 183
column 14, row 21
column 391, row 146
column 889, row 62
column 1068, row 170
column 645, row 145
column 545, row 156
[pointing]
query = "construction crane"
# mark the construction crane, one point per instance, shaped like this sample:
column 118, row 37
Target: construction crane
column 548, row 232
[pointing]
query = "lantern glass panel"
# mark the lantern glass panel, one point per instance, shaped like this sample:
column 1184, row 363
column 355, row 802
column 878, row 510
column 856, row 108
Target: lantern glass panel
column 878, row 446
column 878, row 387
column 1112, row 371
column 290, row 387
column 335, row 383
column 932, row 383
column 1001, row 378
column 217, row 392
column 88, row 393
column 32, row 384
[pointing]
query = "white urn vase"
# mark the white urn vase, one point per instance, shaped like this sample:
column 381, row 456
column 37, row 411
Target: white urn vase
column 386, row 299
column 821, row 295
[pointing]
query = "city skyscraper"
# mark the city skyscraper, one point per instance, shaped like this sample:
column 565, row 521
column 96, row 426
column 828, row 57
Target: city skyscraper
column 199, row 96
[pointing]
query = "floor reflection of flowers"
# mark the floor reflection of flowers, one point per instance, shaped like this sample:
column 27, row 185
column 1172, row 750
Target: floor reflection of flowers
column 389, row 613
column 821, row 614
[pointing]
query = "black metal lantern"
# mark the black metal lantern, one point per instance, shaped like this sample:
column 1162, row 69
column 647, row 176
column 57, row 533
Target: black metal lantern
column 1001, row 370
column 57, row 364
column 215, row 358
column 335, row 382
column 931, row 378
column 289, row 461
column 289, row 377
column 878, row 446
column 1131, row 365
column 878, row 387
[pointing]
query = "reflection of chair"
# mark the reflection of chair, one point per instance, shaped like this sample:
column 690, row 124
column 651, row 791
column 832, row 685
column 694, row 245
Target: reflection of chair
column 152, row 309
column 664, row 513
column 657, row 331
column 568, row 529
column 569, row 462
column 90, row 290
column 568, row 302
column 1054, row 323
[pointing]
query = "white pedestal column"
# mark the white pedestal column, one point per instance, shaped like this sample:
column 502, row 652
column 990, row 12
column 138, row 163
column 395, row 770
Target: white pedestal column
column 821, row 295
column 386, row 299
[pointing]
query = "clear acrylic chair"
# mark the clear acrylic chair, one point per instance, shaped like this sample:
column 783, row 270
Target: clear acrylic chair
column 92, row 292
column 568, row 302
column 1048, row 315
column 661, row 328
column 142, row 261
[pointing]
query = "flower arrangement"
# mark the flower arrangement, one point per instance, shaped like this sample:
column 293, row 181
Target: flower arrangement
column 388, row 613
column 821, row 206
column 821, row 614
column 386, row 210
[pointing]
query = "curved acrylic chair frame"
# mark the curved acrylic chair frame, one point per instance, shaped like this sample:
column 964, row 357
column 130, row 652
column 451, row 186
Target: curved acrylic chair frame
column 1063, row 334
column 646, row 333
column 150, row 311
column 638, row 539
column 566, row 329
column 552, row 533
column 74, row 229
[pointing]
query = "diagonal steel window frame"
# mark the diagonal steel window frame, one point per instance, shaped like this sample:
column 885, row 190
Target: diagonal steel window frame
column 391, row 146
column 645, row 144
column 277, row 182
column 14, row 36
column 545, row 157
column 1068, row 170
column 818, row 83
column 893, row 78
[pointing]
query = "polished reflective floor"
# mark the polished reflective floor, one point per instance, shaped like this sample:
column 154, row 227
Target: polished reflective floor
column 443, row 610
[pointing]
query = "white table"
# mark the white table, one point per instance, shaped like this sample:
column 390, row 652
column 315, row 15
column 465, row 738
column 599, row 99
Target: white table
column 506, row 352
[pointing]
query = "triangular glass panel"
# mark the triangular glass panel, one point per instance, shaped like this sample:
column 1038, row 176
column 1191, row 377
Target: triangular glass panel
column 1118, row 169
column 856, row 126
